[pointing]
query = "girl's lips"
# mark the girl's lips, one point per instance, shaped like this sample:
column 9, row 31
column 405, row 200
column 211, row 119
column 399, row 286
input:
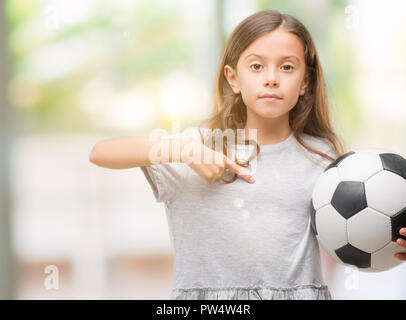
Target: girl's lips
column 271, row 98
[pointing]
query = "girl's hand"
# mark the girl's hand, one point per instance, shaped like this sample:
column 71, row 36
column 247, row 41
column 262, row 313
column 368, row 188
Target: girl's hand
column 211, row 164
column 402, row 243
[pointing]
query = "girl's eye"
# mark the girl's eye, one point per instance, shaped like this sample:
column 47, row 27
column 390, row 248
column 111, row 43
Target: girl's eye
column 288, row 65
column 255, row 64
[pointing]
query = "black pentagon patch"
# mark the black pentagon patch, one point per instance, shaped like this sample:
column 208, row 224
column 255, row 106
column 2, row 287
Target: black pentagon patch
column 349, row 198
column 394, row 162
column 336, row 162
column 313, row 217
column 398, row 221
column 351, row 255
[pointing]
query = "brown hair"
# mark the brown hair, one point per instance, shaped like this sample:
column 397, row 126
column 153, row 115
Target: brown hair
column 310, row 115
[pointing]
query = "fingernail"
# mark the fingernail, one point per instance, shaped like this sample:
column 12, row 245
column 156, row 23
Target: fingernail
column 400, row 241
column 403, row 231
column 252, row 179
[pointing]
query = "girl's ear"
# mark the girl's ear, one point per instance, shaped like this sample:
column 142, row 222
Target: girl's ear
column 232, row 80
column 305, row 84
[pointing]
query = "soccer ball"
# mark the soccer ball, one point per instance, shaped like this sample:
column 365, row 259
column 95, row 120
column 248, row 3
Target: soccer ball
column 358, row 206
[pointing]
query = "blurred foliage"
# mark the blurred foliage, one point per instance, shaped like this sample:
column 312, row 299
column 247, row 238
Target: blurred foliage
column 126, row 44
column 140, row 41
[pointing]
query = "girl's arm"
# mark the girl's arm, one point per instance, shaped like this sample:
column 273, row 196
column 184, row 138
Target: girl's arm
column 130, row 152
column 127, row 152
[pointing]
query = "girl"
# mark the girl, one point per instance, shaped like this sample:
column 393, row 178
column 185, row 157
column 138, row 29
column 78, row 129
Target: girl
column 247, row 236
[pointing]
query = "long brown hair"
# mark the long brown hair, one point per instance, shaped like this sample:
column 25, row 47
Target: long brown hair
column 310, row 115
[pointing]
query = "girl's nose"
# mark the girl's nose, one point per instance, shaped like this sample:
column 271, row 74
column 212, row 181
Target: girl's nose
column 272, row 78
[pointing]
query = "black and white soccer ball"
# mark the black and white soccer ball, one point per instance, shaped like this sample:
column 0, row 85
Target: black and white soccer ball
column 358, row 206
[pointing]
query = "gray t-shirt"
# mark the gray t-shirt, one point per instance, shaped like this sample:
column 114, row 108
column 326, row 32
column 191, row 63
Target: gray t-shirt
column 242, row 240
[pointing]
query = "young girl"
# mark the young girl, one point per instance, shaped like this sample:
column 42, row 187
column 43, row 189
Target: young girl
column 248, row 236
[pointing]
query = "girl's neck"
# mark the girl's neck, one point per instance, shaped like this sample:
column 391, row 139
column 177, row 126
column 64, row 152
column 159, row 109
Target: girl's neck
column 269, row 131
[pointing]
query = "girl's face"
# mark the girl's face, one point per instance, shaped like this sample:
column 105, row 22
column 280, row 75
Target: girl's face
column 272, row 64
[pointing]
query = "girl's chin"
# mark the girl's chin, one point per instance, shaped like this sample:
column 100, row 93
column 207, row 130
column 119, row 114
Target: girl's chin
column 269, row 113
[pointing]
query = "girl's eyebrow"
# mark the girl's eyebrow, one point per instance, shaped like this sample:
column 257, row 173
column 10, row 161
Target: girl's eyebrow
column 282, row 57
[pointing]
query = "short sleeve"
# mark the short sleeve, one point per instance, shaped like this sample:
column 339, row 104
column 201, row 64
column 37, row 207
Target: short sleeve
column 166, row 179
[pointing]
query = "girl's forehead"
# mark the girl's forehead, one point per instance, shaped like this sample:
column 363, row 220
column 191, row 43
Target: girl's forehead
column 274, row 45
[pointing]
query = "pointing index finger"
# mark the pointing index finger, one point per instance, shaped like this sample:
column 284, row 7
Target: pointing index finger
column 241, row 171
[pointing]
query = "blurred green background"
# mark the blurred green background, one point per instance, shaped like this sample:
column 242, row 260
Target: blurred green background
column 70, row 58
column 76, row 72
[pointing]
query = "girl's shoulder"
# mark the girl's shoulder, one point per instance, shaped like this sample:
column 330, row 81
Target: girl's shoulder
column 313, row 138
column 321, row 144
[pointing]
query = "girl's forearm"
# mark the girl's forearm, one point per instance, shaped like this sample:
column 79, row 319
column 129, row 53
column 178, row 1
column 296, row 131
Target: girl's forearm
column 135, row 151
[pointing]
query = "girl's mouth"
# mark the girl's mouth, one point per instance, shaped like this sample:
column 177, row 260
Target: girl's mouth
column 271, row 99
